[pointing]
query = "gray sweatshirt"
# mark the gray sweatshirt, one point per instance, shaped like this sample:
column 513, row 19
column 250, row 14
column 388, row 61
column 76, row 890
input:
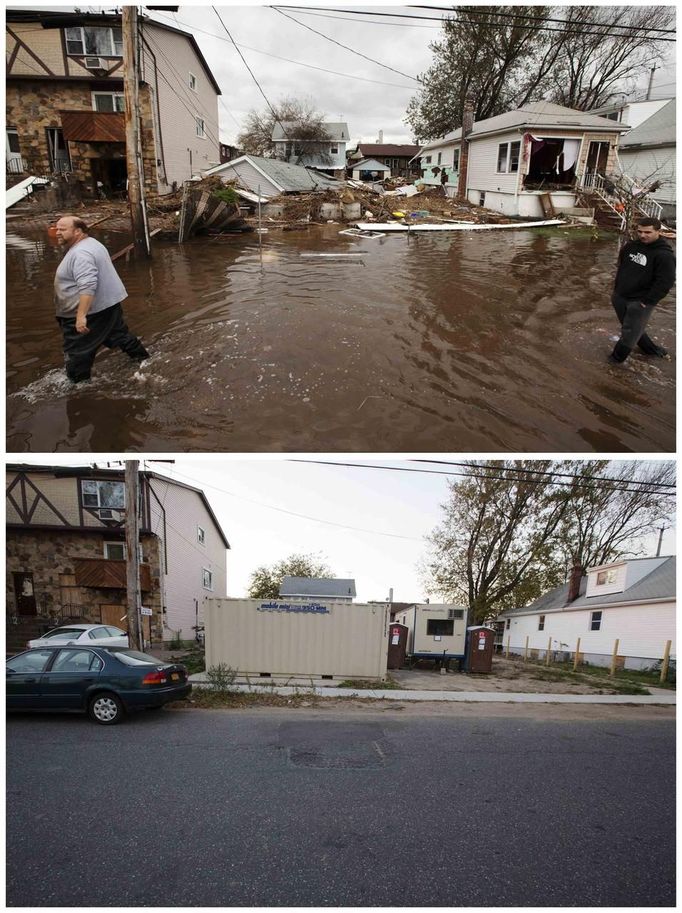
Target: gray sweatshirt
column 87, row 270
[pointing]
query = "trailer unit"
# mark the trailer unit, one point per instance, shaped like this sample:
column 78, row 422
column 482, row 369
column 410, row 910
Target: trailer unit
column 435, row 631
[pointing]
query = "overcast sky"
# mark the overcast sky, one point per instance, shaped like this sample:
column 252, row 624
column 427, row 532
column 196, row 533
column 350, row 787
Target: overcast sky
column 366, row 95
column 367, row 524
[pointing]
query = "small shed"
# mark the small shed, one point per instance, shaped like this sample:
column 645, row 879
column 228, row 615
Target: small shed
column 435, row 632
column 370, row 170
column 272, row 177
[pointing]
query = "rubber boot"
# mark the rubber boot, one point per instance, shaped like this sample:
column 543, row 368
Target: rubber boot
column 620, row 353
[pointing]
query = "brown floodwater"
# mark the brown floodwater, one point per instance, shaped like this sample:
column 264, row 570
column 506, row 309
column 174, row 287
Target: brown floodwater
column 437, row 342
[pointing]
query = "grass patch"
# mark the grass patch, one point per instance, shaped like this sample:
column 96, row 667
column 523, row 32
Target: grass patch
column 585, row 233
column 366, row 684
column 596, row 676
column 194, row 660
column 623, row 676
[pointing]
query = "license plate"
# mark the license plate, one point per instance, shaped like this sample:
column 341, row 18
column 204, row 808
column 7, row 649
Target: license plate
column 175, row 676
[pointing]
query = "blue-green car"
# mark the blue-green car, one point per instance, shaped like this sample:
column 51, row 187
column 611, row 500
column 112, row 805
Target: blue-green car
column 104, row 682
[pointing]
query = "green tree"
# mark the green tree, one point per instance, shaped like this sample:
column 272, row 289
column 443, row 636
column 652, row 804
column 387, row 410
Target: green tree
column 512, row 529
column 265, row 581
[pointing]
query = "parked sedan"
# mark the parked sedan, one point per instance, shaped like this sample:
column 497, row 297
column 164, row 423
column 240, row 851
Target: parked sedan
column 101, row 635
column 103, row 681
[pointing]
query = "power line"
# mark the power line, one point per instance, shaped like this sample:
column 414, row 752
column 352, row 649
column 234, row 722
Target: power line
column 299, row 63
column 292, row 513
column 344, row 46
column 462, row 21
column 482, row 11
column 489, row 475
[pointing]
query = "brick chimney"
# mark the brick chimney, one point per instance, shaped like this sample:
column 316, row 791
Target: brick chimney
column 467, row 127
column 577, row 574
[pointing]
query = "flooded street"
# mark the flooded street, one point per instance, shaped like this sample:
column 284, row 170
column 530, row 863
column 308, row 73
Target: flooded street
column 436, row 342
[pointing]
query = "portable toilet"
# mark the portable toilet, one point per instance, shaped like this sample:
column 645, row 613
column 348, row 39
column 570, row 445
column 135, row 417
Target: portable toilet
column 480, row 648
column 397, row 645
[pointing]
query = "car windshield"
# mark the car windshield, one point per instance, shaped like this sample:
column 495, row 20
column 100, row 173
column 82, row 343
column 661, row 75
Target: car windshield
column 63, row 632
column 135, row 658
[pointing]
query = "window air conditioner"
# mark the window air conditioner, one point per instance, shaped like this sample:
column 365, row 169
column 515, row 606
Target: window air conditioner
column 95, row 63
column 105, row 513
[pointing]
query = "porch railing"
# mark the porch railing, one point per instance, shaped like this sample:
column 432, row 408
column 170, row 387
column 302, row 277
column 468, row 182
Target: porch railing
column 14, row 165
column 600, row 185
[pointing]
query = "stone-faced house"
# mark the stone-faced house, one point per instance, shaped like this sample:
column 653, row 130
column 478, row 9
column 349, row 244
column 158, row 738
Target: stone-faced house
column 65, row 103
column 66, row 551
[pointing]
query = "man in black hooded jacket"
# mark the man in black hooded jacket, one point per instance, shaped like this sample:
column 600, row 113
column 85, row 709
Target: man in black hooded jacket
column 645, row 275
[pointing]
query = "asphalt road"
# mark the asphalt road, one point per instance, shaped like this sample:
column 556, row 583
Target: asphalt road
column 340, row 808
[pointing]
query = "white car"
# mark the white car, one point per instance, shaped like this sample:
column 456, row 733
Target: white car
column 95, row 635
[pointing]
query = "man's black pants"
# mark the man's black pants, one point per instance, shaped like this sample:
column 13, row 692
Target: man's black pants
column 107, row 328
column 633, row 319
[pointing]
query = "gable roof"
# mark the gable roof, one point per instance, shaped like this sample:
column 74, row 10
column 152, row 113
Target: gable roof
column 393, row 149
column 317, row 586
column 537, row 115
column 284, row 177
column 657, row 130
column 118, row 474
column 658, row 584
column 286, row 130
column 55, row 18
column 370, row 165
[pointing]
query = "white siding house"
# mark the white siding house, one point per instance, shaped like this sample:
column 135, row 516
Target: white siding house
column 186, row 116
column 332, row 160
column 194, row 554
column 516, row 157
column 632, row 601
column 648, row 153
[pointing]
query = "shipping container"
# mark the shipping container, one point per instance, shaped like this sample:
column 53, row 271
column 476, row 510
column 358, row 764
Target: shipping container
column 435, row 631
column 289, row 637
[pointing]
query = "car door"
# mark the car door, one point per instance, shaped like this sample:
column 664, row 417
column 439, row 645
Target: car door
column 108, row 636
column 66, row 682
column 23, row 678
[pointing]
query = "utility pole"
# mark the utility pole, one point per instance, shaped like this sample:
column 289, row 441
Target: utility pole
column 660, row 540
column 651, row 82
column 133, row 554
column 131, row 83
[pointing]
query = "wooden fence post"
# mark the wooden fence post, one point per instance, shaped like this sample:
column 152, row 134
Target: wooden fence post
column 549, row 650
column 666, row 661
column 508, row 642
column 577, row 654
column 613, row 658
column 525, row 652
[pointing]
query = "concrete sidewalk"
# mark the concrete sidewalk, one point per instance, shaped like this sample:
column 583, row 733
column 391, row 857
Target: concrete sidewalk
column 660, row 696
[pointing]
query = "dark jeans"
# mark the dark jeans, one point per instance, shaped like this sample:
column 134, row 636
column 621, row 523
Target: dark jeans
column 107, row 328
column 633, row 319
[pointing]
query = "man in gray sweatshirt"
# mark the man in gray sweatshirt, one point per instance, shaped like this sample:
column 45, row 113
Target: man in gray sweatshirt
column 88, row 294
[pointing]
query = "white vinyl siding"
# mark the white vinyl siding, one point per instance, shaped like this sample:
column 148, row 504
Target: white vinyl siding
column 609, row 586
column 643, row 163
column 187, row 558
column 641, row 630
column 483, row 159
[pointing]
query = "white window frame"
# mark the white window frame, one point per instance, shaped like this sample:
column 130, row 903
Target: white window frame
column 207, row 581
column 599, row 622
column 427, row 159
column 114, row 96
column 334, row 150
column 508, row 157
column 201, row 535
column 118, row 545
column 200, row 127
column 455, row 159
column 541, row 622
column 192, row 81
column 83, row 52
column 99, row 505
column 609, row 576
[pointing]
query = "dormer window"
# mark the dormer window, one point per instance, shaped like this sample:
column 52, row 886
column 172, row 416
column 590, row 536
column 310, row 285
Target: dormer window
column 606, row 577
column 96, row 40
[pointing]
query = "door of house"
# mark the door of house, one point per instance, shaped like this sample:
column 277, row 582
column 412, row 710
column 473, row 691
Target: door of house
column 15, row 164
column 597, row 158
column 24, row 594
column 59, row 152
column 116, row 615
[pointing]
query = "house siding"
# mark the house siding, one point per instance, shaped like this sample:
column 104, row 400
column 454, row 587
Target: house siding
column 482, row 173
column 250, row 178
column 182, row 582
column 642, row 631
column 175, row 59
column 658, row 164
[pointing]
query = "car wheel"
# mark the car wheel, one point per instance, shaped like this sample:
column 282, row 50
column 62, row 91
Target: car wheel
column 105, row 708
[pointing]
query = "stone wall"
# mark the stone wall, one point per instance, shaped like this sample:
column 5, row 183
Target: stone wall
column 32, row 107
column 49, row 556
